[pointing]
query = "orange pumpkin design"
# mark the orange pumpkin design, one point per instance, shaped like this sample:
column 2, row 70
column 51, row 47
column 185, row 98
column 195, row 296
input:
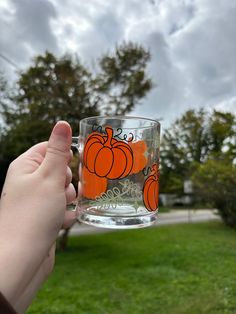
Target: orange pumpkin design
column 93, row 186
column 139, row 148
column 107, row 157
column 151, row 190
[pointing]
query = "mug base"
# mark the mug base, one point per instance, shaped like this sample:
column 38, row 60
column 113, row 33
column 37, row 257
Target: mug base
column 118, row 222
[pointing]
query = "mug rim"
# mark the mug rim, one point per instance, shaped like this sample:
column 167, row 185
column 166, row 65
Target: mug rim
column 157, row 123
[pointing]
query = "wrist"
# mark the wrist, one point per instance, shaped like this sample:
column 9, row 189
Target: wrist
column 11, row 275
column 18, row 264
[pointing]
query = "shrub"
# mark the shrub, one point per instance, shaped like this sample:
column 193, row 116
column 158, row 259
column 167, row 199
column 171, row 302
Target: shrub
column 215, row 183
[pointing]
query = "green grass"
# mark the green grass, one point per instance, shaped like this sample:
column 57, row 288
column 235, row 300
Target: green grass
column 176, row 269
column 166, row 209
column 163, row 209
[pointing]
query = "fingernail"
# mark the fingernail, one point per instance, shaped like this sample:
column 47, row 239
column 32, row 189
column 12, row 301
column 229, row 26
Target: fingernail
column 63, row 129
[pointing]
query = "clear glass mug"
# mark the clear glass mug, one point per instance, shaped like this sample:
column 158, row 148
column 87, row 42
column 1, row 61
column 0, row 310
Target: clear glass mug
column 118, row 171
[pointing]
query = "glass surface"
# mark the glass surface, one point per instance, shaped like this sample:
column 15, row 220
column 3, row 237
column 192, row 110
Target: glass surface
column 118, row 171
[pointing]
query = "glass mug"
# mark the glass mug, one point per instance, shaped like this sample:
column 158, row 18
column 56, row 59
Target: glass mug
column 118, row 171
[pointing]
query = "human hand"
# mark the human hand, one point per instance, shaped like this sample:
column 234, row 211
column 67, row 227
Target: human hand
column 32, row 211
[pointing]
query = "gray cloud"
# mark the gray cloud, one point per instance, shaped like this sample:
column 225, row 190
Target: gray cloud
column 105, row 32
column 192, row 43
column 163, row 102
column 26, row 31
column 194, row 61
column 32, row 20
column 206, row 52
column 88, row 28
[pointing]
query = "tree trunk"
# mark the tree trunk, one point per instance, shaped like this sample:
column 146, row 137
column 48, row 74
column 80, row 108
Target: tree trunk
column 63, row 240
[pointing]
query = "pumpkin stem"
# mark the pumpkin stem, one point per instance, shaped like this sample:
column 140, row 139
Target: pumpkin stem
column 109, row 132
column 155, row 171
column 154, row 168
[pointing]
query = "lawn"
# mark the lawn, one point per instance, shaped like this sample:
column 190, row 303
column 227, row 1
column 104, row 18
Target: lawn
column 177, row 269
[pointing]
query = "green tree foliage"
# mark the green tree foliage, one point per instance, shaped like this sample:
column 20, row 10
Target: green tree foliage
column 3, row 89
column 5, row 96
column 122, row 81
column 62, row 88
column 222, row 133
column 191, row 140
column 215, row 182
column 50, row 90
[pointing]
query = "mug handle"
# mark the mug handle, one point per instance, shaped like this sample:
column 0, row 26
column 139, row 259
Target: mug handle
column 75, row 142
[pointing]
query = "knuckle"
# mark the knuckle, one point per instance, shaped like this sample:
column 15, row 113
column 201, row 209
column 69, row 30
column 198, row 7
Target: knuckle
column 58, row 152
column 36, row 159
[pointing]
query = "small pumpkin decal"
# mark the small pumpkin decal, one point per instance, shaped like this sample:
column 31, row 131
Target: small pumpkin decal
column 139, row 149
column 107, row 157
column 93, row 186
column 151, row 189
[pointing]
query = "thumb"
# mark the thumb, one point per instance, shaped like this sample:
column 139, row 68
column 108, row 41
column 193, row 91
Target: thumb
column 58, row 150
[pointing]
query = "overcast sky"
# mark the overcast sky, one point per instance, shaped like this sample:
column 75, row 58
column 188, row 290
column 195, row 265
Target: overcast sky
column 192, row 43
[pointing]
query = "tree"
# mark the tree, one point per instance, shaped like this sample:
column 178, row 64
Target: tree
column 62, row 88
column 222, row 135
column 214, row 182
column 50, row 90
column 122, row 81
column 4, row 100
column 191, row 140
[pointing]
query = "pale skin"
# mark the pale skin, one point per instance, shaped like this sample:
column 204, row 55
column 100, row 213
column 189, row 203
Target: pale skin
column 32, row 211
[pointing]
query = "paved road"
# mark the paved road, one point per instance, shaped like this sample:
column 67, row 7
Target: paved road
column 172, row 217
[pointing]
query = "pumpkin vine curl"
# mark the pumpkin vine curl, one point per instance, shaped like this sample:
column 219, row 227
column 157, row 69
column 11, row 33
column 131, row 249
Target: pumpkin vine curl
column 116, row 197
